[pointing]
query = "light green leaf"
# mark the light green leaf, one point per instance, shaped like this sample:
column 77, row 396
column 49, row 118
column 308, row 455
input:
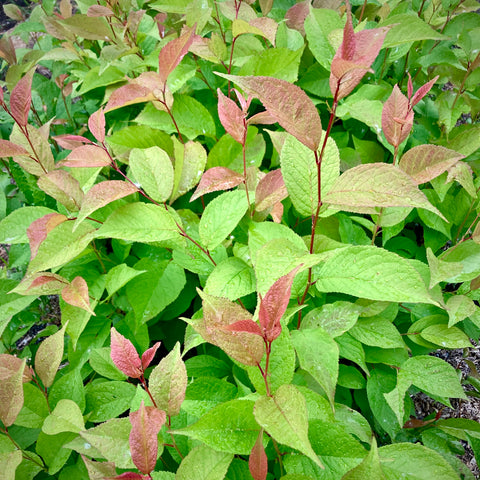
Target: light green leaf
column 373, row 273
column 284, row 417
column 441, row 270
column 231, row 279
column 370, row 467
column 318, row 354
column 101, row 361
column 445, row 336
column 459, row 307
column 35, row 408
column 49, row 356
column 153, row 170
column 467, row 141
column 377, row 332
column 204, row 463
column 111, row 440
column 299, row 171
column 221, row 216
column 408, row 28
column 9, row 461
column 190, row 161
column 335, row 318
column 66, row 417
column 430, row 374
column 319, row 24
column 11, row 303
column 157, row 288
column 192, row 118
column 140, row 136
column 119, row 276
column 61, row 245
column 364, row 187
column 93, row 79
column 466, row 253
column 415, row 462
column 139, row 222
column 229, row 427
column 13, row 228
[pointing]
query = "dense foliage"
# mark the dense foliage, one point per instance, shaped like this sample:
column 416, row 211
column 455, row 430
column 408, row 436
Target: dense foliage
column 261, row 218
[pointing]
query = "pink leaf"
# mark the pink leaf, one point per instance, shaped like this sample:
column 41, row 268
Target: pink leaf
column 394, row 109
column 11, row 389
column 422, row 91
column 268, row 26
column 231, row 117
column 274, row 304
column 173, row 52
column 38, row 230
column 102, row 194
column 21, row 98
column 270, row 190
column 288, row 104
column 63, row 187
column 262, row 118
column 349, row 44
column 245, row 326
column 41, row 283
column 87, row 156
column 76, row 294
column 146, row 423
column 10, row 149
column 296, row 15
column 409, row 87
column 277, row 212
column 96, row 124
column 128, row 476
column 258, row 461
column 425, row 162
column 7, row 50
column 10, row 365
column 70, row 142
column 124, row 355
column 99, row 11
column 128, row 95
column 148, row 355
column 215, row 179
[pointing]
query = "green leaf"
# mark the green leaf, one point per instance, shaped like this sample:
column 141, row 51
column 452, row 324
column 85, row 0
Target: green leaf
column 107, row 400
column 229, row 427
column 139, row 222
column 91, row 28
column 377, row 332
column 153, row 170
column 412, row 460
column 69, row 386
column 221, row 216
column 61, row 245
column 318, row 355
column 370, row 467
column 101, row 361
column 13, row 228
column 467, row 141
column 190, row 161
column 445, row 336
column 364, row 187
column 66, row 417
column 408, row 28
column 430, row 374
column 284, row 417
column 204, row 463
column 35, row 408
column 157, row 288
column 319, row 25
column 49, row 356
column 119, row 276
column 299, row 171
column 11, row 303
column 192, row 118
column 111, row 440
column 459, row 307
column 466, row 253
column 93, row 79
column 53, row 451
column 232, row 278
column 373, row 273
column 441, row 270
column 168, row 382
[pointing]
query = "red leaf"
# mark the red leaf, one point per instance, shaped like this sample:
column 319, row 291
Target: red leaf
column 38, row 230
column 232, row 118
column 288, row 104
column 96, row 124
column 274, row 304
column 215, row 179
column 173, row 52
column 70, row 142
column 245, row 326
column 127, row 476
column 270, row 190
column 422, row 91
column 124, row 355
column 258, row 461
column 146, row 423
column 148, row 355
column 87, row 156
column 21, row 98
column 10, row 149
column 76, row 294
column 360, row 49
column 397, row 117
